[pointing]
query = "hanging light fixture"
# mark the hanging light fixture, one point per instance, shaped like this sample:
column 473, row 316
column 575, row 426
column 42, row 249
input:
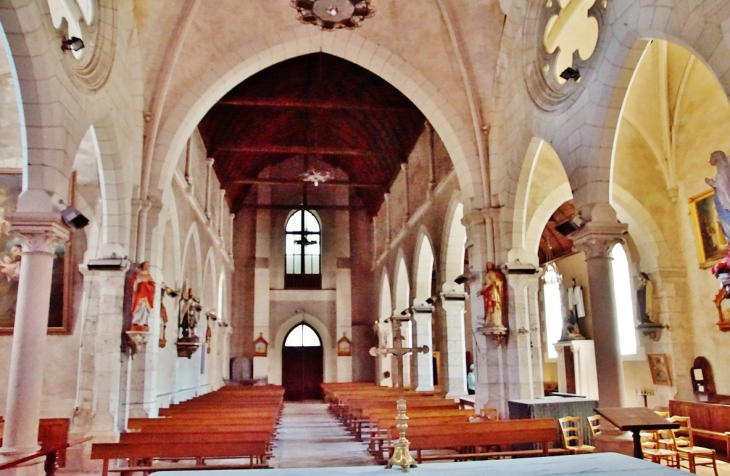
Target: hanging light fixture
column 333, row 14
column 316, row 177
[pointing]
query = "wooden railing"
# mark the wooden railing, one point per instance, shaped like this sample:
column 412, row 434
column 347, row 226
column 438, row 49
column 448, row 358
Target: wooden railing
column 50, row 466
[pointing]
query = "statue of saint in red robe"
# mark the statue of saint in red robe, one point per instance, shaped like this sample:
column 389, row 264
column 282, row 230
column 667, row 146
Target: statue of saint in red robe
column 143, row 290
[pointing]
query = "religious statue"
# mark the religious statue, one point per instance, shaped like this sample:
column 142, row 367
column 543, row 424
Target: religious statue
column 576, row 311
column 208, row 337
column 163, row 326
column 143, row 297
column 188, row 317
column 721, row 186
column 492, row 292
column 644, row 294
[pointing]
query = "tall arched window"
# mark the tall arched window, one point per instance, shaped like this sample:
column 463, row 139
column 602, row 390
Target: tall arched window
column 552, row 301
column 303, row 251
column 624, row 300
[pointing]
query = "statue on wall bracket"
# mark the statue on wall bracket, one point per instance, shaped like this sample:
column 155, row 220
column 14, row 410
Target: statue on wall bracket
column 493, row 292
column 188, row 313
column 139, row 300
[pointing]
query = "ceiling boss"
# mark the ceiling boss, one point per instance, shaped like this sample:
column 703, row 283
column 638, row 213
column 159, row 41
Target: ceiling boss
column 333, row 14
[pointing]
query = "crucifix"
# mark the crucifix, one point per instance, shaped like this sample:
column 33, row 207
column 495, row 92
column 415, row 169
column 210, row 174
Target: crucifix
column 401, row 453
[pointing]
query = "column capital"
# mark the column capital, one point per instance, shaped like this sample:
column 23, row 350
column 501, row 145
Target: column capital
column 473, row 217
column 38, row 232
column 596, row 239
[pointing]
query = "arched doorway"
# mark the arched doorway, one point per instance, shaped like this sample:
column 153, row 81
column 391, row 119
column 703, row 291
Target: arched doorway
column 302, row 364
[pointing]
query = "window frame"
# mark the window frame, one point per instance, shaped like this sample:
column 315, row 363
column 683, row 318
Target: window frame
column 302, row 279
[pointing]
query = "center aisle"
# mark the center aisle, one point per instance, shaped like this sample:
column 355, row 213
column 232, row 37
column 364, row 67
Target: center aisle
column 309, row 437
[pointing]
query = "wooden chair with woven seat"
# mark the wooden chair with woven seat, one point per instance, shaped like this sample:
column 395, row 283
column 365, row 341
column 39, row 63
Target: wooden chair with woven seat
column 695, row 455
column 573, row 435
column 681, row 435
column 594, row 423
column 656, row 454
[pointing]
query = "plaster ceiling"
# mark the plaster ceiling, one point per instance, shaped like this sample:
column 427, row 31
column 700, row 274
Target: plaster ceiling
column 317, row 107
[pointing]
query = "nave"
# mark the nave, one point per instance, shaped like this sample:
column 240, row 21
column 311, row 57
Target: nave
column 310, row 437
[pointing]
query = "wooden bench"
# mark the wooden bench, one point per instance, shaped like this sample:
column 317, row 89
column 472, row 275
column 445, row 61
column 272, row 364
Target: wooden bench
column 256, row 452
column 462, row 438
column 710, row 422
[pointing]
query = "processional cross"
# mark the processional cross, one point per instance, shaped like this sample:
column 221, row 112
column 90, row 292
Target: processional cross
column 401, row 452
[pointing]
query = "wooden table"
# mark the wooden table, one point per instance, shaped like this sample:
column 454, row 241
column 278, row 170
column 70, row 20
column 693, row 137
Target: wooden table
column 635, row 420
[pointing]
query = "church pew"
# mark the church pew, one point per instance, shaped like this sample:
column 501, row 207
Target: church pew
column 143, row 423
column 240, row 434
column 171, row 412
column 383, row 428
column 387, row 415
column 354, row 416
column 255, row 452
column 504, row 433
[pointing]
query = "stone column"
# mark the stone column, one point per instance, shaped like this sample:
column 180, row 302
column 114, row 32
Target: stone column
column 39, row 233
column 596, row 239
column 454, row 358
column 262, row 282
column 100, row 365
column 523, row 284
column 423, row 336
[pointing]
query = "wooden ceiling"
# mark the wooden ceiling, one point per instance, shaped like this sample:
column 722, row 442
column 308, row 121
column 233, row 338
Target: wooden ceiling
column 318, row 106
column 554, row 243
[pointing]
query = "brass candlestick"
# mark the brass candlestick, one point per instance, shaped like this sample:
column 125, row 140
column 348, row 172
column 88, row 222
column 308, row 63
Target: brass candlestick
column 401, row 452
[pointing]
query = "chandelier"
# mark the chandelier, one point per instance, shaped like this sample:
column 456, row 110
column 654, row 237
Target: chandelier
column 316, row 177
column 333, row 14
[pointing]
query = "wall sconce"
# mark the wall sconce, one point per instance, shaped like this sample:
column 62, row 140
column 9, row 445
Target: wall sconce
column 165, row 289
column 570, row 73
column 211, row 315
column 72, row 44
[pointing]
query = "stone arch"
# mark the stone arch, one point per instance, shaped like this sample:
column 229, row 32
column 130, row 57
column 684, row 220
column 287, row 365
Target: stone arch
column 114, row 185
column 385, row 335
column 169, row 217
column 386, row 298
column 222, row 305
column 584, row 133
column 541, row 216
column 446, row 121
column 210, row 284
column 192, row 256
column 452, row 249
column 423, row 267
column 330, row 354
column 401, row 283
column 622, row 53
column 646, row 234
column 522, row 193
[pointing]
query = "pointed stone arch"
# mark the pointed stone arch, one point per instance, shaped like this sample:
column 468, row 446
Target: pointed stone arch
column 423, row 267
column 275, row 349
column 452, row 248
column 188, row 111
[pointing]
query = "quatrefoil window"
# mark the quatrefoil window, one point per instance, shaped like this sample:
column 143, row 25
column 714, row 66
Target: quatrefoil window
column 571, row 30
column 74, row 12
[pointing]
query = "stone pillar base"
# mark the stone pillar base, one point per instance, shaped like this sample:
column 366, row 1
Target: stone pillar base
column 615, row 441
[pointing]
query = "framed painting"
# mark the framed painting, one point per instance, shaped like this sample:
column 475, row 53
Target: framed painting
column 711, row 244
column 659, row 367
column 344, row 346
column 10, row 258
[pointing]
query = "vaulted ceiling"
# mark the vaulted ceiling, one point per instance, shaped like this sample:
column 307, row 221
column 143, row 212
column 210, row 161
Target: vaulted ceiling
column 318, row 106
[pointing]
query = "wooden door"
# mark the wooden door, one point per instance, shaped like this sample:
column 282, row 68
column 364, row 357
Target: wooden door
column 302, row 372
